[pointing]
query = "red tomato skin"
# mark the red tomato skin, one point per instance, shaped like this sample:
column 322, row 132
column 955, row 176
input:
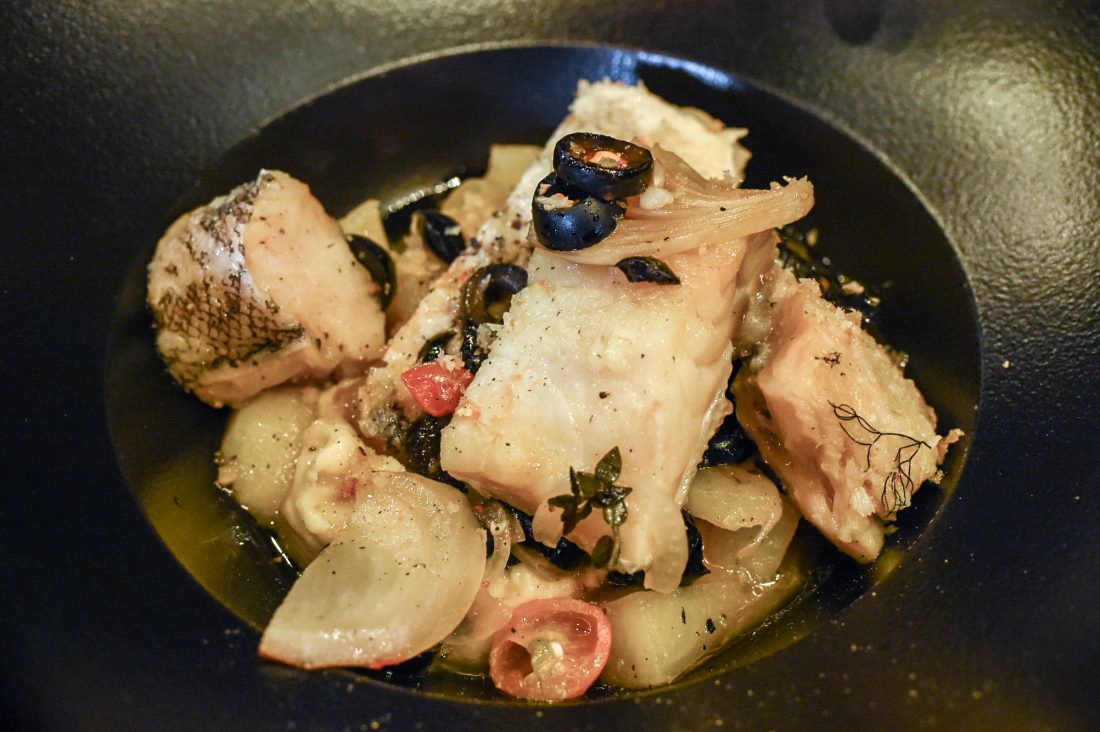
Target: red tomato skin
column 583, row 631
column 437, row 389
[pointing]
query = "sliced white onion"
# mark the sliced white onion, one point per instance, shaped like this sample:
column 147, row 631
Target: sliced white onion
column 656, row 637
column 745, row 523
column 658, row 545
column 702, row 212
column 466, row 650
column 503, row 526
column 393, row 584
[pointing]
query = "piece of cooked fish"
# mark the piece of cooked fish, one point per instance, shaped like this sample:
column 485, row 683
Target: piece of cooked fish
column 257, row 288
column 625, row 111
column 849, row 436
column 587, row 361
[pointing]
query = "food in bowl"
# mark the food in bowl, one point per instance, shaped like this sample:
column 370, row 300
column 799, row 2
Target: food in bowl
column 564, row 429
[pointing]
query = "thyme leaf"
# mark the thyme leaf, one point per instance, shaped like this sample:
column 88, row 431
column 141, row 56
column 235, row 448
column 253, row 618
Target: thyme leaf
column 610, row 466
column 603, row 552
column 589, row 491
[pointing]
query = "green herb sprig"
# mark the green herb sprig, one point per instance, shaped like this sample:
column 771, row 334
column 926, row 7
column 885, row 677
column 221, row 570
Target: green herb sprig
column 596, row 490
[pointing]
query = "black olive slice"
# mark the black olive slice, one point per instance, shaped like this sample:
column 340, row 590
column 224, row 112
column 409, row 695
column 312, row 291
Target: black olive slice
column 567, row 219
column 730, row 444
column 615, row 578
column 647, row 269
column 435, row 347
column 485, row 298
column 442, row 234
column 488, row 293
column 422, row 448
column 379, row 264
column 603, row 166
column 695, row 567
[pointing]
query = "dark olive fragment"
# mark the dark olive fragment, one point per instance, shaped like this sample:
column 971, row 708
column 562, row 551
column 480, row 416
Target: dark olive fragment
column 435, row 347
column 647, row 269
column 603, row 166
column 379, row 264
column 566, row 218
column 471, row 352
column 422, row 448
column 485, row 298
column 808, row 262
column 487, row 295
column 405, row 673
column 615, row 578
column 695, row 567
column 565, row 554
column 730, row 444
column 442, row 234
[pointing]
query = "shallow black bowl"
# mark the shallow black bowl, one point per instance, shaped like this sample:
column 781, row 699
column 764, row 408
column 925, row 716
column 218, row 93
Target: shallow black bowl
column 383, row 136
column 935, row 153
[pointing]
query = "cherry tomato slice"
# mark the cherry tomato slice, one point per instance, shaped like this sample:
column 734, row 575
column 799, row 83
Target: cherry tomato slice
column 551, row 649
column 436, row 388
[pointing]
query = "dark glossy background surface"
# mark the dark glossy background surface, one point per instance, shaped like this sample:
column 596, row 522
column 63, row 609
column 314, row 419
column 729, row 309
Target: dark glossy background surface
column 111, row 111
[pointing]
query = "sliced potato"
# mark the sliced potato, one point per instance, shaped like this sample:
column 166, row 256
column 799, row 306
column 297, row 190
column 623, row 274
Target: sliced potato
column 734, row 497
column 393, row 584
column 260, row 448
column 417, row 271
column 476, row 199
column 507, row 163
column 656, row 636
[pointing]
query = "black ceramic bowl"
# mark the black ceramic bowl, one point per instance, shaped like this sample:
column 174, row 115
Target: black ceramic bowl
column 954, row 165
column 386, row 135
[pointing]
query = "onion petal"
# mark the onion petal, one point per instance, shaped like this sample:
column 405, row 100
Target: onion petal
column 393, row 584
column 702, row 212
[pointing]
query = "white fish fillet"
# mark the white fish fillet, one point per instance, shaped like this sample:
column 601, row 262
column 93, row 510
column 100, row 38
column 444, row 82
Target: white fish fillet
column 610, row 108
column 850, row 437
column 585, row 362
column 258, row 288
